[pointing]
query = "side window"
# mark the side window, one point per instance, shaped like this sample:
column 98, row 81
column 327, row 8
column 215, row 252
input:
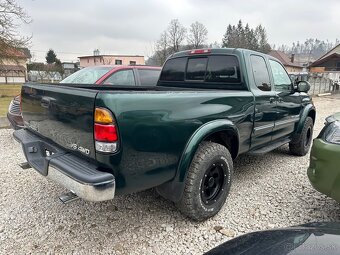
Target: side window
column 148, row 77
column 174, row 69
column 282, row 82
column 196, row 69
column 124, row 77
column 260, row 72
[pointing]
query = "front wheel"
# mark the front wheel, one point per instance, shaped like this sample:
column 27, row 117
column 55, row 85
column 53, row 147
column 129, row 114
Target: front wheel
column 208, row 182
column 300, row 143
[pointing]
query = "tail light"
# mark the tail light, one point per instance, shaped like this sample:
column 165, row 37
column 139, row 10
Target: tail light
column 105, row 131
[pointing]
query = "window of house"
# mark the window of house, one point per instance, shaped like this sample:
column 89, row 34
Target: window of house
column 88, row 60
column 118, row 62
column 260, row 72
column 282, row 81
column 132, row 63
column 124, row 77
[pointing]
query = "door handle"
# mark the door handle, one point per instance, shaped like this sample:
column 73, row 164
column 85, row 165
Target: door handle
column 271, row 100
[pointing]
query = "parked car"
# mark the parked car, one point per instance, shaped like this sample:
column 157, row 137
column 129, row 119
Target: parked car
column 14, row 113
column 306, row 239
column 99, row 75
column 324, row 167
column 181, row 136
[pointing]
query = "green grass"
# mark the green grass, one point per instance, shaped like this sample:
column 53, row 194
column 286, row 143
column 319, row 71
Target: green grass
column 9, row 90
column 4, row 103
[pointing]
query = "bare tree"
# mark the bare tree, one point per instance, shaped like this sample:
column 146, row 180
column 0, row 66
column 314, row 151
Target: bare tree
column 197, row 35
column 162, row 48
column 10, row 14
column 176, row 34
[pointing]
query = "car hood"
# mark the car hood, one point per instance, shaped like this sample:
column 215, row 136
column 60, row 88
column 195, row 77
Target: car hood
column 311, row 238
column 334, row 117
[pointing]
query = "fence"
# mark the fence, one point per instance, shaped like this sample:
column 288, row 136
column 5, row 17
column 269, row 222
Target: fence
column 320, row 85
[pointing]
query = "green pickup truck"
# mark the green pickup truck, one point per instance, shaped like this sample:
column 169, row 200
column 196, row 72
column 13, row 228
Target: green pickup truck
column 180, row 137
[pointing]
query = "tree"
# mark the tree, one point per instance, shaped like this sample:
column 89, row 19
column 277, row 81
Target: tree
column 51, row 57
column 246, row 37
column 162, row 48
column 197, row 35
column 176, row 34
column 261, row 35
column 10, row 14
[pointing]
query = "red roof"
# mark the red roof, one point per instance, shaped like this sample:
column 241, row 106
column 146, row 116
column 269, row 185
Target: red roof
column 284, row 59
column 14, row 53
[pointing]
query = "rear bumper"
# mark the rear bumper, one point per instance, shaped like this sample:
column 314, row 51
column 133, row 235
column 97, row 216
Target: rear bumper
column 70, row 171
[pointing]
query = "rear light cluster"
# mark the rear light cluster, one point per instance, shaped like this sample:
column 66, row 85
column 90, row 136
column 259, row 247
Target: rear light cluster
column 105, row 131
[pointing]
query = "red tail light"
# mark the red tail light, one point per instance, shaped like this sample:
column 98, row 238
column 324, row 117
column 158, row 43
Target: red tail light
column 105, row 133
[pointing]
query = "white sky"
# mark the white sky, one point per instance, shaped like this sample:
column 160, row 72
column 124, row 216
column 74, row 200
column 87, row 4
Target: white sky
column 76, row 27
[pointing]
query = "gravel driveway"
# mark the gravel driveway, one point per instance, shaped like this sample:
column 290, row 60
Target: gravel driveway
column 268, row 191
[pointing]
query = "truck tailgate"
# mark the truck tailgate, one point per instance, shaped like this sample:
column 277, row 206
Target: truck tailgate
column 61, row 114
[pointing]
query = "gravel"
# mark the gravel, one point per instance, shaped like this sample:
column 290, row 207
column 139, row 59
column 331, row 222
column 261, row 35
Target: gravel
column 268, row 191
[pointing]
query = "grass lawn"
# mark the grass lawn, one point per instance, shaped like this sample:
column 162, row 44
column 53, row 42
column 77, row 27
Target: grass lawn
column 9, row 90
column 4, row 103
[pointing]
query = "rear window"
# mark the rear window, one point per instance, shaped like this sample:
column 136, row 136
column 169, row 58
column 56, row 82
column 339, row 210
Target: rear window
column 88, row 75
column 210, row 69
column 174, row 70
column 148, row 76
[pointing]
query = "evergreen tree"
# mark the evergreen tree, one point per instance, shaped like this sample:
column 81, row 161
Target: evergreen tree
column 246, row 37
column 51, row 57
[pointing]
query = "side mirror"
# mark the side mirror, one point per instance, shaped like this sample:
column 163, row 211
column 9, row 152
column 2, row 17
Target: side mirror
column 303, row 86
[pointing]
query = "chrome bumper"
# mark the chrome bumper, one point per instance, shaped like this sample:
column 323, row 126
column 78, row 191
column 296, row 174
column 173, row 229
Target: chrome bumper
column 89, row 192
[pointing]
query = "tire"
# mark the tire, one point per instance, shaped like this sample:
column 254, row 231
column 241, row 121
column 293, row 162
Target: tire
column 301, row 143
column 207, row 183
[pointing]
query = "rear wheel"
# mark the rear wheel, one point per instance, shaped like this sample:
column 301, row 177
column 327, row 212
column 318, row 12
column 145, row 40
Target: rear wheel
column 300, row 143
column 208, row 182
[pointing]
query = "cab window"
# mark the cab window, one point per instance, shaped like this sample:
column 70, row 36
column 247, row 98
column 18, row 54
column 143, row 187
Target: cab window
column 260, row 73
column 282, row 82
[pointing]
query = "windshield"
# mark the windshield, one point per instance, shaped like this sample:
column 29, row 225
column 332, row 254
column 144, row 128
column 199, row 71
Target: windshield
column 88, row 75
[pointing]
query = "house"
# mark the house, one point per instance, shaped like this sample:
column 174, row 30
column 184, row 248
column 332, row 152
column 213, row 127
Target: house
column 69, row 68
column 13, row 67
column 98, row 59
column 328, row 64
column 288, row 62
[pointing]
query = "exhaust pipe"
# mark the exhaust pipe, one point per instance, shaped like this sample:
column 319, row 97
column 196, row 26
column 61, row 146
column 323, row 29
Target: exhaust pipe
column 68, row 197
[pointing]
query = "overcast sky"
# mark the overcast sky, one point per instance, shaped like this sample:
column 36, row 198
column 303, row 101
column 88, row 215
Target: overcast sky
column 75, row 28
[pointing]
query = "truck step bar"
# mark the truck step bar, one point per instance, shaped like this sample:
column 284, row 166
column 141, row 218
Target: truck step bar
column 270, row 147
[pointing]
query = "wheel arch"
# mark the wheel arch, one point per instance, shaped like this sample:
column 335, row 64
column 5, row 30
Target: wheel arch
column 223, row 132
column 308, row 111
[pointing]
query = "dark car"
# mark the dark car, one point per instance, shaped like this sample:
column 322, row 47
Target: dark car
column 180, row 137
column 99, row 75
column 324, row 170
column 311, row 238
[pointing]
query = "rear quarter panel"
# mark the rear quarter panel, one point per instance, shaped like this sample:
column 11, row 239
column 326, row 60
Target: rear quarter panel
column 155, row 127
